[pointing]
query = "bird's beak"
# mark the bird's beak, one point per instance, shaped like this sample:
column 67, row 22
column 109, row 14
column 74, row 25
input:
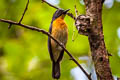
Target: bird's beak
column 66, row 11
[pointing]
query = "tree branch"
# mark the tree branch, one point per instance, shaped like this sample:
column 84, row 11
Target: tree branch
column 69, row 14
column 22, row 15
column 24, row 11
column 76, row 11
column 50, row 4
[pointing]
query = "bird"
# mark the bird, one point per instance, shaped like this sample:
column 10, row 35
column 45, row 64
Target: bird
column 59, row 30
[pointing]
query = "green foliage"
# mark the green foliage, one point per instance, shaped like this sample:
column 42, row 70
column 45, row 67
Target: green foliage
column 24, row 52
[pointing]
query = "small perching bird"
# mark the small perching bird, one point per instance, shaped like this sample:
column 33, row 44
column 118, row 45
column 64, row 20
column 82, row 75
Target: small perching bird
column 58, row 29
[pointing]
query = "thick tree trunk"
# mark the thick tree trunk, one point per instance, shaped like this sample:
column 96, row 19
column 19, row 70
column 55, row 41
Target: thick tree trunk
column 96, row 40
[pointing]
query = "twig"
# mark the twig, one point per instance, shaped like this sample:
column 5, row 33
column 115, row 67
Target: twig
column 69, row 14
column 48, row 34
column 76, row 11
column 50, row 4
column 9, row 26
column 24, row 11
column 73, row 35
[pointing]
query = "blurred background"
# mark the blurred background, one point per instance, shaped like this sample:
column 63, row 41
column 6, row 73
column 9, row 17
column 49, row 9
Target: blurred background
column 24, row 54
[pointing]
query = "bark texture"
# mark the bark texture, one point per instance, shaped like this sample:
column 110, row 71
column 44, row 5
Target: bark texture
column 96, row 40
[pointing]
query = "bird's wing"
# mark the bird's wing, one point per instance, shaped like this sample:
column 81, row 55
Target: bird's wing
column 61, row 55
column 49, row 43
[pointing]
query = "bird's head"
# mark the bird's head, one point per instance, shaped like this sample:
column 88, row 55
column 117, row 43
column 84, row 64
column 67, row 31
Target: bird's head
column 60, row 13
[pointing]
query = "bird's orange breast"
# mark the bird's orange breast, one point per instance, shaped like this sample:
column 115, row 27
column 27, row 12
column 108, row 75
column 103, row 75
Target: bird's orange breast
column 59, row 24
column 59, row 32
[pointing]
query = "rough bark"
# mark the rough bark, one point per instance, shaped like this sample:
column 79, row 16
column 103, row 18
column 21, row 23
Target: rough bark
column 96, row 40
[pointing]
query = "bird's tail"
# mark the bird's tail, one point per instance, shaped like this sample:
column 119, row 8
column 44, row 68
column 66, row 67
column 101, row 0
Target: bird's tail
column 56, row 70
